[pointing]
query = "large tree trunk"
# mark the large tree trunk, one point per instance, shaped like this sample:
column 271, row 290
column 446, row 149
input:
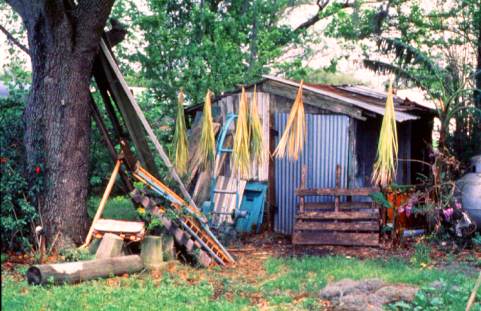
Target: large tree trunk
column 63, row 41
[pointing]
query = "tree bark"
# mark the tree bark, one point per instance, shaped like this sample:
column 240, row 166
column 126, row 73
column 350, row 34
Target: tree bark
column 63, row 41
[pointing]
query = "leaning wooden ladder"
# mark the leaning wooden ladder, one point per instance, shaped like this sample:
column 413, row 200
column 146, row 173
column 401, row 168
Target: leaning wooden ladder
column 335, row 223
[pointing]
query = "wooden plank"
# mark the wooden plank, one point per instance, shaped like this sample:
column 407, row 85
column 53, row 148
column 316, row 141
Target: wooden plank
column 342, row 205
column 336, row 192
column 373, row 214
column 303, row 185
column 121, row 99
column 113, row 226
column 225, row 202
column 335, row 238
column 140, row 115
column 367, row 226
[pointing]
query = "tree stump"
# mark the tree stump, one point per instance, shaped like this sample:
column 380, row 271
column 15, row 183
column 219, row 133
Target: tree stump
column 73, row 272
column 94, row 246
column 168, row 247
column 110, row 246
column 151, row 252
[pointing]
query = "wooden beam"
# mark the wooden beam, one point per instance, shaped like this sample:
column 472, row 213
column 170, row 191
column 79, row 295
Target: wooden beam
column 336, row 238
column 373, row 214
column 121, row 97
column 342, row 205
column 367, row 226
column 103, row 202
column 336, row 192
column 313, row 99
column 132, row 104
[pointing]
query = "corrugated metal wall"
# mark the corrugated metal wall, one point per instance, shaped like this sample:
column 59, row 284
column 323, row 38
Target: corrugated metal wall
column 326, row 146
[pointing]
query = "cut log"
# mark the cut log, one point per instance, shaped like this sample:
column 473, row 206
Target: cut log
column 73, row 272
column 111, row 246
column 151, row 252
column 168, row 247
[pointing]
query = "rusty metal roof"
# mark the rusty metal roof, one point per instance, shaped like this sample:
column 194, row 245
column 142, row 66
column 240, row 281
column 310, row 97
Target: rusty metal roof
column 359, row 96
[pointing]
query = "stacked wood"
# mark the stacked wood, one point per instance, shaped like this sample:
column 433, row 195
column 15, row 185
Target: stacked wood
column 73, row 272
column 335, row 223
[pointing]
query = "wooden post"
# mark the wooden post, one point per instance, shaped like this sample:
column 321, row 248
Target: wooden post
column 151, row 252
column 303, row 186
column 110, row 246
column 168, row 250
column 338, row 186
column 73, row 272
column 103, row 202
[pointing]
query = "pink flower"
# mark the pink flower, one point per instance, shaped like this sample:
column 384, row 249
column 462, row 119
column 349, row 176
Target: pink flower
column 408, row 209
column 448, row 213
column 458, row 204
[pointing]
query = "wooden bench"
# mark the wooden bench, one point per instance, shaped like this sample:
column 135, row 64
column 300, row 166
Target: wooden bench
column 335, row 223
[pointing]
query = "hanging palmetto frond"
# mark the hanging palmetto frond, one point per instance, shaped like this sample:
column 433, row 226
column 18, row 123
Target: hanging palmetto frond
column 240, row 152
column 292, row 140
column 207, row 137
column 384, row 169
column 257, row 151
column 180, row 138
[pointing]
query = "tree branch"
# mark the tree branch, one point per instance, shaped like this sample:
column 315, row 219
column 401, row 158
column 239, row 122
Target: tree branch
column 13, row 40
column 321, row 5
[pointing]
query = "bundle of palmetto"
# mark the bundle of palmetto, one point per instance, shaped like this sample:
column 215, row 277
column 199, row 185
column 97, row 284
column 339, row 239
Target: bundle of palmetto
column 257, row 151
column 180, row 138
column 240, row 152
column 207, row 137
column 292, row 140
column 384, row 170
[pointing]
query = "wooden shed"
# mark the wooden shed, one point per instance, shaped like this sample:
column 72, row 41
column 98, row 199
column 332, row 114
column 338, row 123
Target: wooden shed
column 343, row 124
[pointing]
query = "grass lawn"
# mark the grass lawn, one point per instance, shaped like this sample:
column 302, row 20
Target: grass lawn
column 260, row 281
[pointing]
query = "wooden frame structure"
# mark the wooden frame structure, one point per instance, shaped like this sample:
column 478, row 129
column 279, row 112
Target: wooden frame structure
column 342, row 222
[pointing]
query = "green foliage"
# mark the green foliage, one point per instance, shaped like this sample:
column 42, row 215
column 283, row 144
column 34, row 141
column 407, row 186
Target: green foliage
column 17, row 192
column 422, row 254
column 379, row 198
column 445, row 296
column 118, row 207
column 76, row 254
column 287, row 279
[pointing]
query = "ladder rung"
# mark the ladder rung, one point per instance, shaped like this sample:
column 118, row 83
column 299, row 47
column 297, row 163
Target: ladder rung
column 225, row 191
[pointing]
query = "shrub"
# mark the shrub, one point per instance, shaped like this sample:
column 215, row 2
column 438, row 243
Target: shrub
column 17, row 212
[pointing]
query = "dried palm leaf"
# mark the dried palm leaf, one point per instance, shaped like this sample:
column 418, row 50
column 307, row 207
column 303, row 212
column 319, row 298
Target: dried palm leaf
column 294, row 136
column 207, row 137
column 180, row 138
column 384, row 169
column 257, row 151
column 240, row 153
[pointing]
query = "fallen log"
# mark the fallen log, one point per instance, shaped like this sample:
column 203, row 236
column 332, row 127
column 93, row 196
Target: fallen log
column 73, row 272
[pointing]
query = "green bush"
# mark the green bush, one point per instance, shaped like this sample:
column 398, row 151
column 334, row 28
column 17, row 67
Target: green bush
column 17, row 211
column 119, row 207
